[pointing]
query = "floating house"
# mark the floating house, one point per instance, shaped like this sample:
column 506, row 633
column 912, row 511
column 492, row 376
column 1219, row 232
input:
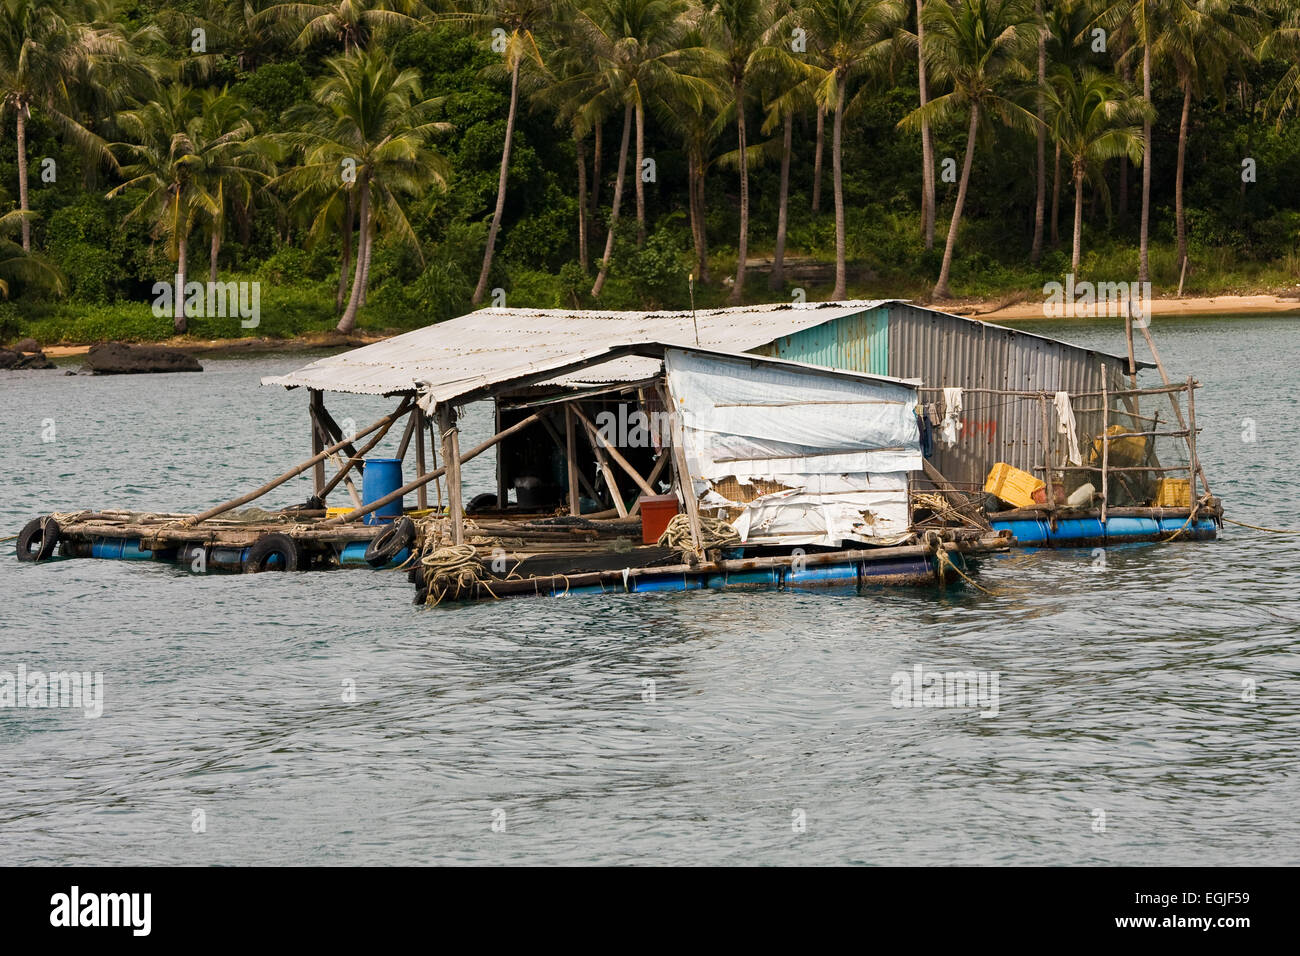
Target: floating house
column 676, row 449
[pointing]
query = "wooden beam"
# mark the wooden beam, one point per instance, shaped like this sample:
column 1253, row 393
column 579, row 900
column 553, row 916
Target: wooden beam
column 323, row 430
column 421, row 493
column 960, row 502
column 1164, row 377
column 571, row 456
column 664, row 455
column 602, row 462
column 613, row 452
column 1105, row 445
column 410, row 486
column 365, row 449
column 559, row 440
column 684, row 482
column 406, row 437
column 291, row 473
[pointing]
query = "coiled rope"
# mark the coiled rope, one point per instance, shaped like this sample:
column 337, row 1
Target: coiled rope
column 714, row 533
column 454, row 567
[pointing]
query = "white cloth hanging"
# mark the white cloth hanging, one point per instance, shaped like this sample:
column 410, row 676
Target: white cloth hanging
column 1066, row 426
column 951, row 424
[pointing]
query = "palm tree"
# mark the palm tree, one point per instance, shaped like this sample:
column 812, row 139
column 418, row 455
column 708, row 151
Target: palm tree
column 739, row 33
column 350, row 22
column 163, row 160
column 853, row 37
column 368, row 131
column 235, row 162
column 1202, row 40
column 1092, row 118
column 979, row 47
column 636, row 50
column 44, row 45
column 521, row 19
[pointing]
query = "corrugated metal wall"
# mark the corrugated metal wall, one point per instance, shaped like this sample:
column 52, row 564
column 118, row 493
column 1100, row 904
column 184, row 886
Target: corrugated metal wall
column 859, row 343
column 948, row 351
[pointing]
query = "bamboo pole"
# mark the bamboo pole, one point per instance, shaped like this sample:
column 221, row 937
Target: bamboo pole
column 1164, row 377
column 451, row 455
column 322, row 430
column 503, row 493
column 571, row 457
column 602, row 462
column 291, row 473
column 613, row 452
column 1047, row 452
column 406, row 437
column 407, row 488
column 403, row 408
column 684, row 481
column 1193, row 463
column 1105, row 444
column 314, row 405
column 421, row 493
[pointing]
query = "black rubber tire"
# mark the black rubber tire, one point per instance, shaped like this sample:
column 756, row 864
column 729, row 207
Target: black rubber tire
column 421, row 596
column 479, row 503
column 389, row 543
column 44, row 532
column 268, row 545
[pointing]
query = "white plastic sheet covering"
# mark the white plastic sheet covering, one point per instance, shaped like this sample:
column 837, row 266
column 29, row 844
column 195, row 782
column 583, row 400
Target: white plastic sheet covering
column 838, row 445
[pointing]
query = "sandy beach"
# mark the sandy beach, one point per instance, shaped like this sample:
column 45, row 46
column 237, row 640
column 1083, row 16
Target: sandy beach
column 1205, row 305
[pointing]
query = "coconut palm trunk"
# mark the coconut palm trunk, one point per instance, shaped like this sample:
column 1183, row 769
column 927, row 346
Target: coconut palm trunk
column 927, row 140
column 640, row 176
column 777, row 279
column 1144, row 264
column 941, row 290
column 481, row 289
column 1040, row 191
column 742, row 246
column 837, row 173
column 581, row 149
column 1180, row 209
column 179, row 322
column 817, row 160
column 349, row 320
column 212, row 253
column 345, row 260
column 1078, row 218
column 21, row 112
column 618, row 198
column 1056, row 198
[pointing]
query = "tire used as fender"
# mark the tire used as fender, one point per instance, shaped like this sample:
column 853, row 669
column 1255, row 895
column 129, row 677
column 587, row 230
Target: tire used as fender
column 273, row 545
column 41, row 532
column 390, row 542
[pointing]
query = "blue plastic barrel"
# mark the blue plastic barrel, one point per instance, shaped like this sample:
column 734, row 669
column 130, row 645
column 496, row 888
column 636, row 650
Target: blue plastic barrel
column 382, row 476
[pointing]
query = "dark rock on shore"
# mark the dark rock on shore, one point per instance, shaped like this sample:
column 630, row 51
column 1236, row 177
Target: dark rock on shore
column 118, row 358
column 21, row 356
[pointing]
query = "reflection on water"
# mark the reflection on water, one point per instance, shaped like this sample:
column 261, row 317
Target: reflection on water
column 660, row 728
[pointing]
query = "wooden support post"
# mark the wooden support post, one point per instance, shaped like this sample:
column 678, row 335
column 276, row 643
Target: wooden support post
column 1193, row 463
column 1105, row 443
column 503, row 493
column 611, row 451
column 451, row 455
column 684, row 482
column 602, row 462
column 322, row 429
column 406, row 436
column 421, row 493
column 571, row 455
column 1164, row 377
column 1047, row 452
column 314, row 405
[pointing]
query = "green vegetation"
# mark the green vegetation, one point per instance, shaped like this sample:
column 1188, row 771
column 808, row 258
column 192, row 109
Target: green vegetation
column 380, row 164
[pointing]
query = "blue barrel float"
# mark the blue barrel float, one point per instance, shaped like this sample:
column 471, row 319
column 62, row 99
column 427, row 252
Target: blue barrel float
column 381, row 477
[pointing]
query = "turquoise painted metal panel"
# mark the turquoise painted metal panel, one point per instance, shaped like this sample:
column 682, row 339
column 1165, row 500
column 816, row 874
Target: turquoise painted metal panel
column 858, row 343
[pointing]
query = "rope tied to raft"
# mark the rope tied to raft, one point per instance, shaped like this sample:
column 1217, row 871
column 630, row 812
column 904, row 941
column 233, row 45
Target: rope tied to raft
column 714, row 533
column 1256, row 527
column 454, row 567
column 934, row 542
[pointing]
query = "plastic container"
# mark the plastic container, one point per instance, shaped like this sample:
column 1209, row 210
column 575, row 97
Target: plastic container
column 656, row 512
column 382, row 476
column 1174, row 493
column 1012, row 485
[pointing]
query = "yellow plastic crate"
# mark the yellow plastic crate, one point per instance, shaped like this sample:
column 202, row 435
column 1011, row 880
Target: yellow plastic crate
column 1174, row 493
column 1125, row 452
column 1012, row 485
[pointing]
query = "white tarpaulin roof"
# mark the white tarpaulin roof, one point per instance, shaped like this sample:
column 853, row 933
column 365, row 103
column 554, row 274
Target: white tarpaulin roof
column 805, row 456
column 496, row 345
